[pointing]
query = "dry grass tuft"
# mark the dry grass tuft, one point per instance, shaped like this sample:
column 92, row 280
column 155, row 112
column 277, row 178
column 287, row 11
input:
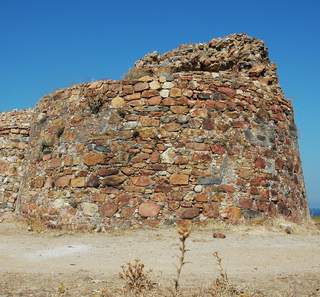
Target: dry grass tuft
column 184, row 231
column 136, row 279
column 222, row 287
column 35, row 224
column 61, row 289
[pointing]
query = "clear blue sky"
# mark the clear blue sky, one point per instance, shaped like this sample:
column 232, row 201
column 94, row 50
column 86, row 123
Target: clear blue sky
column 47, row 45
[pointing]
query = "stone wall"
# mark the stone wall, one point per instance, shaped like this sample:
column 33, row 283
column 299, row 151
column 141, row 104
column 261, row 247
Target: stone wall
column 14, row 138
column 200, row 132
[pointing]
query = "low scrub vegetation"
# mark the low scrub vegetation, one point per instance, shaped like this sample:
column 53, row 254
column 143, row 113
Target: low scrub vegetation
column 138, row 282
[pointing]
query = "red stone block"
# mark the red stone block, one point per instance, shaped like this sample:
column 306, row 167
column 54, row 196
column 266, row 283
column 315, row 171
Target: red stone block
column 149, row 209
column 203, row 197
column 217, row 149
column 189, row 213
column 92, row 159
column 150, row 93
column 141, row 181
column 140, row 86
column 179, row 179
column 63, row 181
column 227, row 91
column 239, row 124
column 107, row 171
column 169, row 101
column 201, row 157
column 108, row 209
column 154, row 100
column 227, row 188
column 258, row 181
column 245, row 203
column 211, row 210
column 260, row 163
column 123, row 199
column 208, row 124
column 127, row 212
column 179, row 109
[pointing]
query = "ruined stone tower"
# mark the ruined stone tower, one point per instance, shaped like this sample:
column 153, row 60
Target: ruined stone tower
column 201, row 132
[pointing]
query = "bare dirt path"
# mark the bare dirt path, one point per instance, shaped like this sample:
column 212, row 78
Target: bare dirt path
column 31, row 262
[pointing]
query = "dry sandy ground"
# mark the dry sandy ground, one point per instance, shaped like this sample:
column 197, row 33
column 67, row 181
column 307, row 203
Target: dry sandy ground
column 35, row 264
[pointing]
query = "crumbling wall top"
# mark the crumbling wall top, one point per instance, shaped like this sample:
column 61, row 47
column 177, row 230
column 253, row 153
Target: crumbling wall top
column 236, row 53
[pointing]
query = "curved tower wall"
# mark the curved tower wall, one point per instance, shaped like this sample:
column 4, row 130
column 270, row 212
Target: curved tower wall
column 191, row 145
column 200, row 132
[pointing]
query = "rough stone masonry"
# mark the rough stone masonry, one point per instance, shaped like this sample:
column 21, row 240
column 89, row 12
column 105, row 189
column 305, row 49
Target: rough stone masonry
column 201, row 132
